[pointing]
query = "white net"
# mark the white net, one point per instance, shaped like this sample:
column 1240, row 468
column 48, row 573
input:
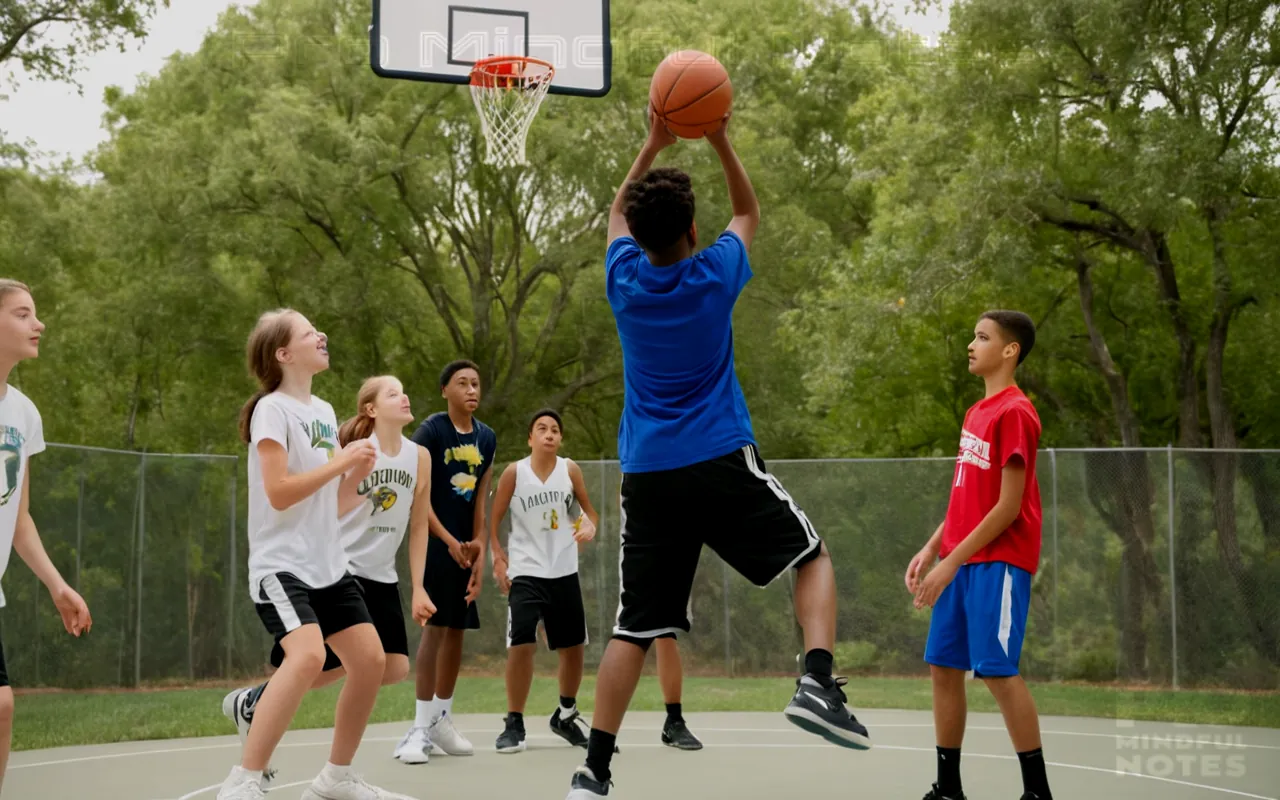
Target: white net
column 507, row 93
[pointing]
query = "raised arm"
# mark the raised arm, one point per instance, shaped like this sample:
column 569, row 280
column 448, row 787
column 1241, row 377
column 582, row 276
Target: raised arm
column 659, row 138
column 746, row 208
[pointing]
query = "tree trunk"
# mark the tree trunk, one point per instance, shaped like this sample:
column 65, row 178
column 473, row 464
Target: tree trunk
column 1223, row 466
column 1124, row 499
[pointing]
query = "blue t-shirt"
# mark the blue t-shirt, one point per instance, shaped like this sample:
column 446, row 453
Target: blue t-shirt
column 682, row 401
column 459, row 462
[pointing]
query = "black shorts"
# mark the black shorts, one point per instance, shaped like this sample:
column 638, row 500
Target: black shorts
column 446, row 582
column 732, row 505
column 287, row 604
column 383, row 602
column 555, row 601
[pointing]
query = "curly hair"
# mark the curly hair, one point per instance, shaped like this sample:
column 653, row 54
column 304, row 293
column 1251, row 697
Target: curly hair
column 659, row 208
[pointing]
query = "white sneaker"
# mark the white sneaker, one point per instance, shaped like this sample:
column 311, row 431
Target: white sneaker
column 348, row 787
column 233, row 709
column 414, row 747
column 447, row 738
column 238, row 786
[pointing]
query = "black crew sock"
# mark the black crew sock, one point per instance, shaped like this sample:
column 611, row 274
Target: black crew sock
column 516, row 717
column 252, row 701
column 568, row 702
column 949, row 771
column 674, row 712
column 600, row 753
column 1034, row 779
column 818, row 662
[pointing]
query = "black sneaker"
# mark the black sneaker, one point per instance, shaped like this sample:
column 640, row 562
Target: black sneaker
column 821, row 709
column 676, row 734
column 570, row 728
column 512, row 738
column 584, row 786
column 934, row 794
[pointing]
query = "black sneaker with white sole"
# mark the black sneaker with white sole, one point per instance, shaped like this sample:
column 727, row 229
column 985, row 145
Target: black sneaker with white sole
column 676, row 734
column 570, row 728
column 818, row 707
column 512, row 739
column 585, row 786
column 935, row 794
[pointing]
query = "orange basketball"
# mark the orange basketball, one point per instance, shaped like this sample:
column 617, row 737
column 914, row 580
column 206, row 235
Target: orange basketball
column 691, row 92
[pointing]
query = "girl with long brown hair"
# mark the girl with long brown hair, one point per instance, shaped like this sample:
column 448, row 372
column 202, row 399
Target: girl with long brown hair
column 298, row 574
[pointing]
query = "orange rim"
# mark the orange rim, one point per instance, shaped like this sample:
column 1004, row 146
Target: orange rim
column 489, row 72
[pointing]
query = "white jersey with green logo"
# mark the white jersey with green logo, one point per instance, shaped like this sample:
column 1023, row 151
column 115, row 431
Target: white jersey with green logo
column 541, row 544
column 372, row 533
column 21, row 437
column 304, row 539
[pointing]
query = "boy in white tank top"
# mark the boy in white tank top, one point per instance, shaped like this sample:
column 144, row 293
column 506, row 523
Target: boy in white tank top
column 538, row 571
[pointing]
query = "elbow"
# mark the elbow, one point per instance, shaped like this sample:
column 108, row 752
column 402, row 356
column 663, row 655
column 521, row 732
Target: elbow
column 277, row 500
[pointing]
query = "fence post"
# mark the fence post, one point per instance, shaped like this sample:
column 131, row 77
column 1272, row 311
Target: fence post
column 79, row 527
column 1173, row 588
column 601, row 575
column 142, row 537
column 728, row 631
column 1053, row 468
column 231, row 571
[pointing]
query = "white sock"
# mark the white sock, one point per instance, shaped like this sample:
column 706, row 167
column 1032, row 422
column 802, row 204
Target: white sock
column 565, row 712
column 444, row 706
column 334, row 772
column 422, row 713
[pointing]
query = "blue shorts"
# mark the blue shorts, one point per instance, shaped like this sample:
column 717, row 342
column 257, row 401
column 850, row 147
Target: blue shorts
column 980, row 619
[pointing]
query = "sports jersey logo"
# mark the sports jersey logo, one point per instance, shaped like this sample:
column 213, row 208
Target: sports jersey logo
column 973, row 450
column 11, row 441
column 464, row 483
column 383, row 499
column 321, row 435
column 555, row 520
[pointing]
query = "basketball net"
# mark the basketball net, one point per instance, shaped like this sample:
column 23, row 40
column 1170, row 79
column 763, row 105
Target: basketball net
column 507, row 91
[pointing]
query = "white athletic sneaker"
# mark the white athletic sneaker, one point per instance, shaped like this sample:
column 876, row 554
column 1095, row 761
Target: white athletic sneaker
column 233, row 709
column 414, row 747
column 349, row 787
column 239, row 786
column 447, row 738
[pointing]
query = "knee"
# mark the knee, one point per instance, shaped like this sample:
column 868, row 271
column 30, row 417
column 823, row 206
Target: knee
column 396, row 669
column 309, row 659
column 373, row 661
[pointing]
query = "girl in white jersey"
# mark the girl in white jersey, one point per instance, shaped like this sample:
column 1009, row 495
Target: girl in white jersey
column 538, row 571
column 374, row 516
column 297, row 565
column 22, row 436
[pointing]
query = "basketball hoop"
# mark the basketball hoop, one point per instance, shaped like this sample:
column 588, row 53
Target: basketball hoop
column 508, row 91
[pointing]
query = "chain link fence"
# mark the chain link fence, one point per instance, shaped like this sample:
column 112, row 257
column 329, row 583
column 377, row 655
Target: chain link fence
column 1159, row 566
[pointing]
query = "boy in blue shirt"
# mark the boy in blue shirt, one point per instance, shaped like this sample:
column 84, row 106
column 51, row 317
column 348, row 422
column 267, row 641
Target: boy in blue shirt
column 691, row 472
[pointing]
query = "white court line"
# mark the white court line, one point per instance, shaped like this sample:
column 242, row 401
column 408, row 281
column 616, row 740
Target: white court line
column 803, row 746
column 995, row 728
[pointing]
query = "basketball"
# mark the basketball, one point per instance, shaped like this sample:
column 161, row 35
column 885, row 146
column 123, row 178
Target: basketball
column 691, row 93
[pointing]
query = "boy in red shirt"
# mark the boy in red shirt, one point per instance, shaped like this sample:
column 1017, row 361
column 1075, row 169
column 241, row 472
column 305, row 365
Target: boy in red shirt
column 989, row 545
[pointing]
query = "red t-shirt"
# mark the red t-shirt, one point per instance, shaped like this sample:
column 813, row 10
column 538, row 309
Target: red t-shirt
column 997, row 430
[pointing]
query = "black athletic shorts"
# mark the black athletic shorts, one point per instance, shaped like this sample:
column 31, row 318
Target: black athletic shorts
column 383, row 602
column 287, row 604
column 732, row 505
column 555, row 601
column 446, row 582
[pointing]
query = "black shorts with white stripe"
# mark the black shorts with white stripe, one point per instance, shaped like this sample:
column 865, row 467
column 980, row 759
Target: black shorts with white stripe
column 732, row 505
column 286, row 604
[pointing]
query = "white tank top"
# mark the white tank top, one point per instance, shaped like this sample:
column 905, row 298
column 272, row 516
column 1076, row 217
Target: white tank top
column 541, row 544
column 372, row 533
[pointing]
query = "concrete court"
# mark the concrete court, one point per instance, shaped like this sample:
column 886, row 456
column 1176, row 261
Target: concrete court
column 748, row 756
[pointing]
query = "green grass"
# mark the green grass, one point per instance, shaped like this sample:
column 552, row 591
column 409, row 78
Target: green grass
column 66, row 718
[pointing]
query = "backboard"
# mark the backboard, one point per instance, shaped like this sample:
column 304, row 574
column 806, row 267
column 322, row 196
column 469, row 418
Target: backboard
column 439, row 40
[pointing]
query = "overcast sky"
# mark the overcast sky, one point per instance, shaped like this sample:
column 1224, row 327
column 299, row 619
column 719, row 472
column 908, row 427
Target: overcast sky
column 63, row 123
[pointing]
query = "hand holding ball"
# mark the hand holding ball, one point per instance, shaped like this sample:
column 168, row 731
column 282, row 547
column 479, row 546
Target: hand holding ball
column 691, row 93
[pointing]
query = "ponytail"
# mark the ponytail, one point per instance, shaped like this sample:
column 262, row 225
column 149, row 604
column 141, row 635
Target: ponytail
column 273, row 331
column 358, row 427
